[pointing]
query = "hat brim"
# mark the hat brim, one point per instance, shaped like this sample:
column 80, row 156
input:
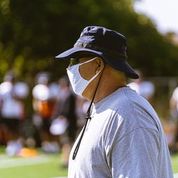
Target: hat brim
column 122, row 65
column 77, row 52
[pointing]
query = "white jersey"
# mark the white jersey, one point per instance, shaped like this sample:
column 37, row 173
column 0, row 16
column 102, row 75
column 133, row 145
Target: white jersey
column 44, row 92
column 13, row 107
column 124, row 139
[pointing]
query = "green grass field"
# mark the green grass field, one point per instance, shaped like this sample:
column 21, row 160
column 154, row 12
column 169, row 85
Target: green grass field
column 41, row 166
column 175, row 163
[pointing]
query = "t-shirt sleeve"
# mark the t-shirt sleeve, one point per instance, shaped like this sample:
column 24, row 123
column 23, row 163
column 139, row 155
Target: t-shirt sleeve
column 135, row 155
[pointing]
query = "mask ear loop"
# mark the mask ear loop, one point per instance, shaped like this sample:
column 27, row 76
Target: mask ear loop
column 87, row 119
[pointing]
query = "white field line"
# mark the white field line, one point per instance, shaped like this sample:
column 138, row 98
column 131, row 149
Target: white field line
column 10, row 162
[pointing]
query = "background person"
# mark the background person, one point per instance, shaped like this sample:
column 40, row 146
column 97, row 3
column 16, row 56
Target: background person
column 44, row 101
column 143, row 87
column 123, row 136
column 174, row 115
column 13, row 95
column 65, row 111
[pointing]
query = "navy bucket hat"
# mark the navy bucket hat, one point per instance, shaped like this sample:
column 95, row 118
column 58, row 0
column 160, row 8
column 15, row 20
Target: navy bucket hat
column 105, row 43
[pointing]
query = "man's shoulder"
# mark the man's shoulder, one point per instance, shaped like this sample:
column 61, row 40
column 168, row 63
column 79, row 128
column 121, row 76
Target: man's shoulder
column 133, row 107
column 125, row 99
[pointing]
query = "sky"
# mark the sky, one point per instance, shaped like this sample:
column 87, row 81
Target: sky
column 163, row 12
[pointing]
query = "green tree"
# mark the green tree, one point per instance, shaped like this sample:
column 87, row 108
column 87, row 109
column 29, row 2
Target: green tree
column 33, row 32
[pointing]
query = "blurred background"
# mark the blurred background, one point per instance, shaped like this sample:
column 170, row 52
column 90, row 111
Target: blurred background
column 33, row 32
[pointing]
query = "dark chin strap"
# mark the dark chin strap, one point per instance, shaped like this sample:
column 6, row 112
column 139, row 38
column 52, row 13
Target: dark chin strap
column 87, row 118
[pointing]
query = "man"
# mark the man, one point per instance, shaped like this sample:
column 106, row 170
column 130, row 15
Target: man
column 122, row 137
column 174, row 114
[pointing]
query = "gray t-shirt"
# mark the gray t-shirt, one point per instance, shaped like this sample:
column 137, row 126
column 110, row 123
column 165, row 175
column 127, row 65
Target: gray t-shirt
column 124, row 139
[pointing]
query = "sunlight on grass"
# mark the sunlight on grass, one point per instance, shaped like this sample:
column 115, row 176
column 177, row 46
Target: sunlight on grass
column 175, row 163
column 42, row 166
column 50, row 168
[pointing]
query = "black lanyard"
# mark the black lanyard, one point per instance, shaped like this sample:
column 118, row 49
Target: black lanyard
column 87, row 119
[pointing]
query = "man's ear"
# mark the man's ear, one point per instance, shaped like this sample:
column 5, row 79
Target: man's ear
column 100, row 64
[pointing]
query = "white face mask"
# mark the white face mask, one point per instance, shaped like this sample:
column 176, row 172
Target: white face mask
column 78, row 83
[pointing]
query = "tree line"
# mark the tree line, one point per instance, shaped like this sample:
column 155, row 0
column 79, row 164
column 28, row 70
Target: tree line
column 33, row 32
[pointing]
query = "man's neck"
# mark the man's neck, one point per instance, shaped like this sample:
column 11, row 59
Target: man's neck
column 109, row 82
column 104, row 91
